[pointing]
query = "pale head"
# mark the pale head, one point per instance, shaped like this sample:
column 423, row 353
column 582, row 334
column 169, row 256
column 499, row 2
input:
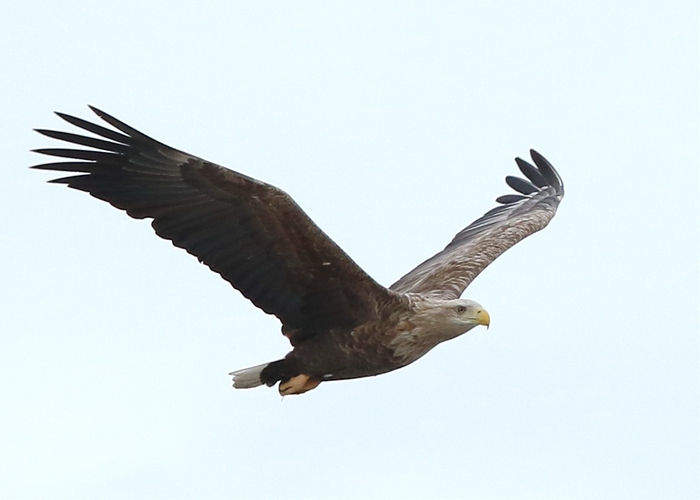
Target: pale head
column 447, row 319
column 461, row 315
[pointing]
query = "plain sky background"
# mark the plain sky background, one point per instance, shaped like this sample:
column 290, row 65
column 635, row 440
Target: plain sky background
column 393, row 126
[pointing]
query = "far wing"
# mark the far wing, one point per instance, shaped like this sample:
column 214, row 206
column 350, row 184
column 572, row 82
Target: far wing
column 448, row 273
column 251, row 233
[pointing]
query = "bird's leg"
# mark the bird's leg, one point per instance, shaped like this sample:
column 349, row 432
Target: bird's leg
column 298, row 385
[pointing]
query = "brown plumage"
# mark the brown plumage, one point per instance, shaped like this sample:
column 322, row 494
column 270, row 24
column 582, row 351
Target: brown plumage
column 341, row 322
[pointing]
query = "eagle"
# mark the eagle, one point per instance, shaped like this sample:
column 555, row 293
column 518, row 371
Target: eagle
column 341, row 323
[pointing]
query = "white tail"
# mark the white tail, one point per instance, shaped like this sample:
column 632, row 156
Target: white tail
column 248, row 377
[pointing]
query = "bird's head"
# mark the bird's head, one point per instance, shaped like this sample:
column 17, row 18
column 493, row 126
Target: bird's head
column 461, row 315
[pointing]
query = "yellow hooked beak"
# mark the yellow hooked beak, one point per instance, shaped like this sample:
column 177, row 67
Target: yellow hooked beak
column 483, row 318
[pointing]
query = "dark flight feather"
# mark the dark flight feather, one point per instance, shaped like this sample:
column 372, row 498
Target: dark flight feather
column 521, row 185
column 531, row 173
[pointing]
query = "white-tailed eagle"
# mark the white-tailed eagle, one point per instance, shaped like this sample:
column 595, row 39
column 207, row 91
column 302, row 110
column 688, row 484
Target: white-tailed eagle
column 341, row 323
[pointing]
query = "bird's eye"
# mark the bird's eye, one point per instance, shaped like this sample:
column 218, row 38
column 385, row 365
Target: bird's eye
column 461, row 309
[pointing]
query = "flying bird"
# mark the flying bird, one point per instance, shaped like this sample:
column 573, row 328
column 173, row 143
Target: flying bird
column 341, row 323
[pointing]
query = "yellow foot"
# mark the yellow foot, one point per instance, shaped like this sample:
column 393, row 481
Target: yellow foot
column 298, row 385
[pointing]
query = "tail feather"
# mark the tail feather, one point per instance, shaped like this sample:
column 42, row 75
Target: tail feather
column 248, row 377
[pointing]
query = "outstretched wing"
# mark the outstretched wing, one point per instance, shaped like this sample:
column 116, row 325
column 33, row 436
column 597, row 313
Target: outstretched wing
column 251, row 233
column 448, row 273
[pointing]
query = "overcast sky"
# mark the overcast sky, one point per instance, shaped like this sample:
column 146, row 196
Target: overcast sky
column 393, row 125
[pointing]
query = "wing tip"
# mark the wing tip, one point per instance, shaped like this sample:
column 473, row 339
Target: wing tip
column 541, row 175
column 97, row 111
column 547, row 170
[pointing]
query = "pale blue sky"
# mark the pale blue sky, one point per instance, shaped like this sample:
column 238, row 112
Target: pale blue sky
column 393, row 126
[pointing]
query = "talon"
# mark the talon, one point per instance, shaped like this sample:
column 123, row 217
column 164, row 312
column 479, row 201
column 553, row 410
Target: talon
column 298, row 385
